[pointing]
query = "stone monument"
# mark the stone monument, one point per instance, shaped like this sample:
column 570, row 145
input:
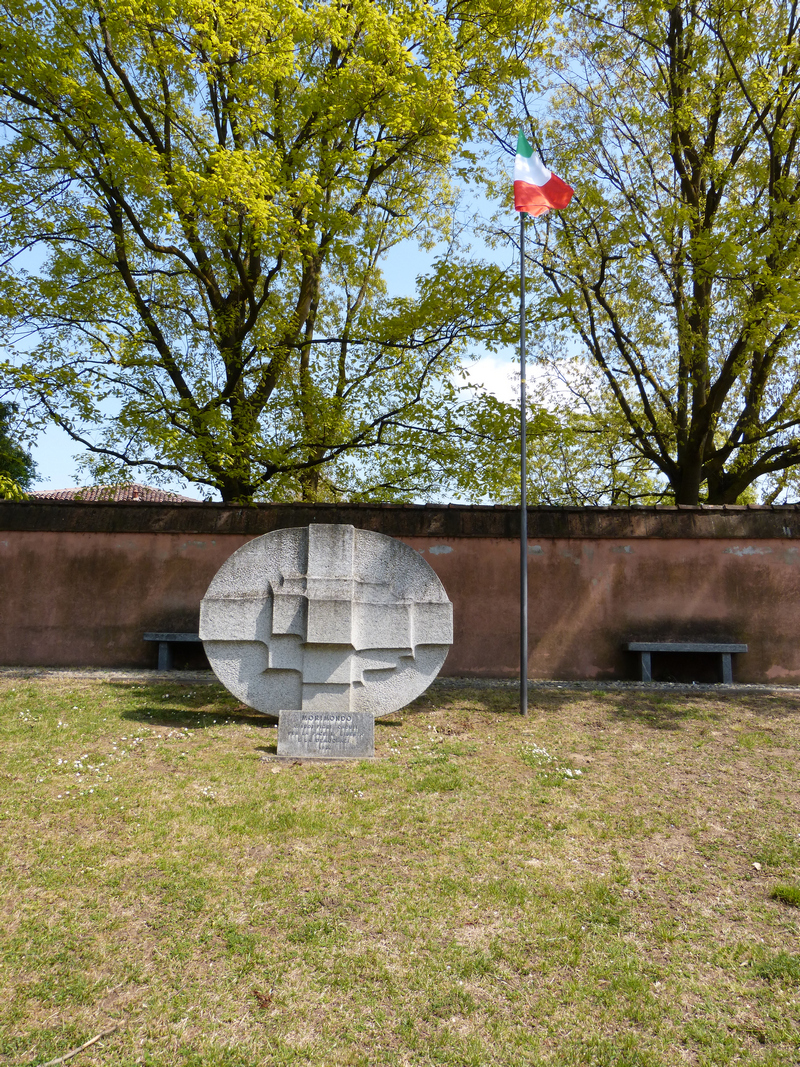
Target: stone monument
column 326, row 626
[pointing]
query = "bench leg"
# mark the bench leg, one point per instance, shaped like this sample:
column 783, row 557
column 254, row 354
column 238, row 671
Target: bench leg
column 727, row 670
column 647, row 674
column 164, row 656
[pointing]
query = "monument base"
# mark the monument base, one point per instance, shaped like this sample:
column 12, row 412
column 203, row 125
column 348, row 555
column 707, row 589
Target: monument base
column 327, row 734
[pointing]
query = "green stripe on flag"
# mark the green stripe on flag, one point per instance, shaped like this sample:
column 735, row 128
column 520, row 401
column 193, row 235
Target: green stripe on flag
column 523, row 148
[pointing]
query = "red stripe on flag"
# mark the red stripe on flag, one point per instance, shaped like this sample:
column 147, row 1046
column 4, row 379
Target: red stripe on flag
column 539, row 199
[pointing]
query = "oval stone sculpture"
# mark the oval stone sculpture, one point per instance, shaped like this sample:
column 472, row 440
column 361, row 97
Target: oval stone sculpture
column 326, row 619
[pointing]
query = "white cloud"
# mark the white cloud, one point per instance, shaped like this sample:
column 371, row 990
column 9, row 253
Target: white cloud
column 497, row 376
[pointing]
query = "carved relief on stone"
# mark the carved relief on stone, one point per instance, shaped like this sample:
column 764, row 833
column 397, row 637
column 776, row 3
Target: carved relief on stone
column 326, row 618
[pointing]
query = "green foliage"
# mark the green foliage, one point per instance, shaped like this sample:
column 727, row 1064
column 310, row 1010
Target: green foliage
column 580, row 451
column 17, row 469
column 675, row 272
column 212, row 190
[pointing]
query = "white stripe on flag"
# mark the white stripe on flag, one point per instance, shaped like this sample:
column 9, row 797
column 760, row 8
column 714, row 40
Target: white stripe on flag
column 531, row 171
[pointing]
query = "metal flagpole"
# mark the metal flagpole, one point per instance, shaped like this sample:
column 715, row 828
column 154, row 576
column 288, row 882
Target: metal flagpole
column 523, row 524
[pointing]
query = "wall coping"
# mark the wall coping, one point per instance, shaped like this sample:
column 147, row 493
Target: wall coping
column 405, row 520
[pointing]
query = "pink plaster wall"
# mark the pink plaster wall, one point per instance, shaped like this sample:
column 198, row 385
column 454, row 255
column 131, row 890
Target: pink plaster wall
column 72, row 599
column 589, row 597
column 86, row 598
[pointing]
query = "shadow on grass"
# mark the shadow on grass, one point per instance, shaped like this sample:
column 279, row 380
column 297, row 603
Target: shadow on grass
column 770, row 705
column 208, row 706
column 658, row 715
column 186, row 719
column 669, row 712
column 463, row 701
column 655, row 710
column 466, row 703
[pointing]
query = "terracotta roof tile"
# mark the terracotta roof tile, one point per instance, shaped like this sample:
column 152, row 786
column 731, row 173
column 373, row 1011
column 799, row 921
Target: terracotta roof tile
column 117, row 493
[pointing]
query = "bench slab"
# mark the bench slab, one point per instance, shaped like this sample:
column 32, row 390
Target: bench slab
column 164, row 650
column 683, row 646
column 723, row 648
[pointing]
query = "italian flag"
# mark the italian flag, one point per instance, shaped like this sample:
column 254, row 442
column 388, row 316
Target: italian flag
column 536, row 189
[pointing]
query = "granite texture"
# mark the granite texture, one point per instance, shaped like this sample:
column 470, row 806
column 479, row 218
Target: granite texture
column 326, row 619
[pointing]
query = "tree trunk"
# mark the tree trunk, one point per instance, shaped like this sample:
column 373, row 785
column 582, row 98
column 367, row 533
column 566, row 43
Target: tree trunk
column 687, row 485
column 236, row 490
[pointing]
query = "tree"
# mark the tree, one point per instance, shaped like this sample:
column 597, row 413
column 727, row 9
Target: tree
column 580, row 450
column 676, row 269
column 17, row 468
column 211, row 189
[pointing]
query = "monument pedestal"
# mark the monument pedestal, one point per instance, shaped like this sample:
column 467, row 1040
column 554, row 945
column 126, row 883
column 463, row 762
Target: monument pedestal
column 326, row 734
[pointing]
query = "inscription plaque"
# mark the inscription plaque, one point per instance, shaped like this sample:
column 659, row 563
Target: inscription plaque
column 337, row 735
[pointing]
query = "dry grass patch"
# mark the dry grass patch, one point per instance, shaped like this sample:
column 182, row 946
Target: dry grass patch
column 606, row 883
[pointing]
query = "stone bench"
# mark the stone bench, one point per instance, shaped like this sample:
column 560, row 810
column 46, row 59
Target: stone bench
column 646, row 648
column 165, row 641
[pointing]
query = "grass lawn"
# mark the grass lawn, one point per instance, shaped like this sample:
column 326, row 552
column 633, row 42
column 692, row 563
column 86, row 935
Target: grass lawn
column 612, row 882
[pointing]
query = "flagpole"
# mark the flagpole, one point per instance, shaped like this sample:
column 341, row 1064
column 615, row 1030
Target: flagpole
column 523, row 524
column 536, row 191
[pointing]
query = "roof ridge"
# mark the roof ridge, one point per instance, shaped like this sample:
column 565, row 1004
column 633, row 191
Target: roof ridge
column 126, row 492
